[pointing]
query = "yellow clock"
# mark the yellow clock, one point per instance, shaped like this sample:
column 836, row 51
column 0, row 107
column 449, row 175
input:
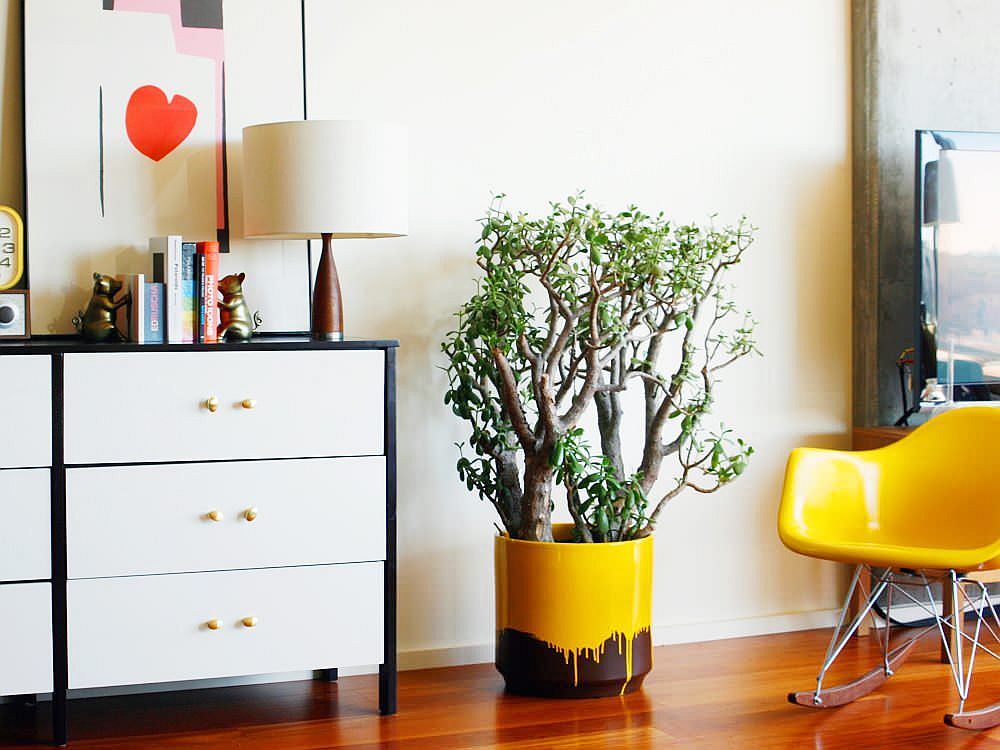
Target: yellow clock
column 11, row 247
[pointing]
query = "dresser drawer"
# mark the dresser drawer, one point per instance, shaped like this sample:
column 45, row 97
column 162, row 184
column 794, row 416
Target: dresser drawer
column 131, row 520
column 27, row 410
column 25, row 638
column 25, row 532
column 126, row 631
column 128, row 407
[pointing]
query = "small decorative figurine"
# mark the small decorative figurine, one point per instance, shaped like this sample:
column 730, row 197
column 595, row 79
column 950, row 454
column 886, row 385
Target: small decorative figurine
column 235, row 321
column 97, row 324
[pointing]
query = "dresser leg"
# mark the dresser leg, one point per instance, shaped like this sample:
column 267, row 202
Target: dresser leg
column 59, row 728
column 325, row 675
column 387, row 670
column 386, row 689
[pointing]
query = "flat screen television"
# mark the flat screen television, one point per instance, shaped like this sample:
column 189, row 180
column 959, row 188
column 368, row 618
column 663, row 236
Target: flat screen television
column 958, row 263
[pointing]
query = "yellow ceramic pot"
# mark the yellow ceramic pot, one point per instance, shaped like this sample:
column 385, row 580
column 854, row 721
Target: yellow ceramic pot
column 573, row 620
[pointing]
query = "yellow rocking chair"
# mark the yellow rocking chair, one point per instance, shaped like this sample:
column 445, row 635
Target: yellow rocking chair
column 923, row 510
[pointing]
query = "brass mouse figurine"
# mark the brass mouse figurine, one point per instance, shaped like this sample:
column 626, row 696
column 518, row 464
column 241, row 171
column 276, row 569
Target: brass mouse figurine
column 235, row 321
column 97, row 324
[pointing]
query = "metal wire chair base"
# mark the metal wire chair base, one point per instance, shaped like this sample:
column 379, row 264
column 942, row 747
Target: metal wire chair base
column 903, row 582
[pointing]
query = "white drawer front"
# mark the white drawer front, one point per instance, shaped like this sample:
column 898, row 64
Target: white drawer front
column 25, row 638
column 125, row 631
column 131, row 520
column 27, row 410
column 24, row 525
column 130, row 407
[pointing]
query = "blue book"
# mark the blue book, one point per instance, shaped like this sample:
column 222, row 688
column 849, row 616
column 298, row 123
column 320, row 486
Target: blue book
column 153, row 316
column 189, row 291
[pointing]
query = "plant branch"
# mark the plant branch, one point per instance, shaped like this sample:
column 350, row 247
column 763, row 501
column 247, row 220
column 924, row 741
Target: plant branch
column 586, row 392
column 512, row 401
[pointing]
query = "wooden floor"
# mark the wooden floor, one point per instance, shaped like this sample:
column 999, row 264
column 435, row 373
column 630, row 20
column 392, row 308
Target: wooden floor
column 722, row 694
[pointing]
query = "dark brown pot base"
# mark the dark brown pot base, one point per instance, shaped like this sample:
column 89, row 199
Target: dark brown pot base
column 551, row 690
column 532, row 667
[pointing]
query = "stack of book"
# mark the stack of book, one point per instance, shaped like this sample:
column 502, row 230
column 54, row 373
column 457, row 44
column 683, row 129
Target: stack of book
column 180, row 304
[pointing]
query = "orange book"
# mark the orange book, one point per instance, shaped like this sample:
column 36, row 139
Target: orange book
column 208, row 292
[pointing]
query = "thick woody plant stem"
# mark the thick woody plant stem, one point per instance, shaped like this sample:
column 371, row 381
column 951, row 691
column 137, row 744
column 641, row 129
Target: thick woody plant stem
column 572, row 309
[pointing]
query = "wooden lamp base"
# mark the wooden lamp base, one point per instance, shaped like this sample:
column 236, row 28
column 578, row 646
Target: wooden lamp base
column 327, row 306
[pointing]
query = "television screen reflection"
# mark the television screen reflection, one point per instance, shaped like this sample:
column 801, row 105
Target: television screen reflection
column 960, row 263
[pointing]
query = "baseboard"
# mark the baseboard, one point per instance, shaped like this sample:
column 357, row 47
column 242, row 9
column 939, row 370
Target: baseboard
column 456, row 656
column 664, row 635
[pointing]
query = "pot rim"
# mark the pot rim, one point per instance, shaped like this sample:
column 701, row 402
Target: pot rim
column 568, row 544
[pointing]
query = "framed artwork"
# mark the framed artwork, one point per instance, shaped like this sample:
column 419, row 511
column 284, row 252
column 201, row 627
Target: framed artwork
column 134, row 111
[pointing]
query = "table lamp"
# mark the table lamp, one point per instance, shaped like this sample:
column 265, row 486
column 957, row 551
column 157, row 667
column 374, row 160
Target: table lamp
column 327, row 179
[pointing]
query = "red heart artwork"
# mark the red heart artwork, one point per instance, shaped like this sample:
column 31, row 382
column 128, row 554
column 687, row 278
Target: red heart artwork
column 157, row 126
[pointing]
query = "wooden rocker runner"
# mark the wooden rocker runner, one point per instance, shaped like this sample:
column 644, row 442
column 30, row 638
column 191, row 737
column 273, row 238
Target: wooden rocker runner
column 921, row 511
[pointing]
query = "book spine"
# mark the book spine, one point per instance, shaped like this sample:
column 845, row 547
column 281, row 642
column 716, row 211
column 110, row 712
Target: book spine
column 211, row 298
column 170, row 247
column 130, row 316
column 188, row 292
column 199, row 285
column 159, row 266
column 208, row 257
column 154, row 313
column 175, row 298
column 137, row 323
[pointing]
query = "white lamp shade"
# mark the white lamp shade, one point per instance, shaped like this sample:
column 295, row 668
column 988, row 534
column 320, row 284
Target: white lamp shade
column 302, row 179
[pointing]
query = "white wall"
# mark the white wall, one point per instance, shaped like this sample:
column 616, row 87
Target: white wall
column 719, row 106
column 715, row 106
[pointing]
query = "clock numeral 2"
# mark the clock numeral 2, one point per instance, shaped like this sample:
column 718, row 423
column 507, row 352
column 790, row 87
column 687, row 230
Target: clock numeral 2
column 4, row 232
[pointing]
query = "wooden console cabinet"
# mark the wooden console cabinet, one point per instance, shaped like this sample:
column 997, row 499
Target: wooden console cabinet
column 180, row 512
column 868, row 438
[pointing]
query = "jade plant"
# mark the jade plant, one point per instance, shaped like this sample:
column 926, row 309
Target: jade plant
column 573, row 308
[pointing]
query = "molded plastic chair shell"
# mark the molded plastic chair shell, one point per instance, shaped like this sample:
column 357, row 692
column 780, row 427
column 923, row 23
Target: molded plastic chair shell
column 928, row 501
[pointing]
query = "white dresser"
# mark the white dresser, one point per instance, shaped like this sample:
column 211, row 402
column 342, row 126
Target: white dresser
column 182, row 512
column 25, row 549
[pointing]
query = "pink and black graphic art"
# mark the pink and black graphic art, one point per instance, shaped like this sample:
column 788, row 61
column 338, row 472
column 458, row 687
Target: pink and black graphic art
column 134, row 111
column 156, row 125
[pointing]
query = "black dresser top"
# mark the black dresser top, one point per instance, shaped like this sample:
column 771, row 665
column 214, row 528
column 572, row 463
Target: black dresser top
column 260, row 342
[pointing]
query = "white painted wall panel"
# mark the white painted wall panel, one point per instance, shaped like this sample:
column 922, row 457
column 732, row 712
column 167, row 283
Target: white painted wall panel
column 717, row 106
column 714, row 107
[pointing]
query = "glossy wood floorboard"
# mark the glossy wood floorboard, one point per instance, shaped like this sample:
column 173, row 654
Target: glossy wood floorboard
column 721, row 694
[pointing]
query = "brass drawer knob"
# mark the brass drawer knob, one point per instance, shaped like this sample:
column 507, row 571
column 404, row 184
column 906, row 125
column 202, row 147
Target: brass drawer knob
column 249, row 622
column 250, row 514
column 212, row 403
column 213, row 624
column 215, row 515
column 248, row 403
